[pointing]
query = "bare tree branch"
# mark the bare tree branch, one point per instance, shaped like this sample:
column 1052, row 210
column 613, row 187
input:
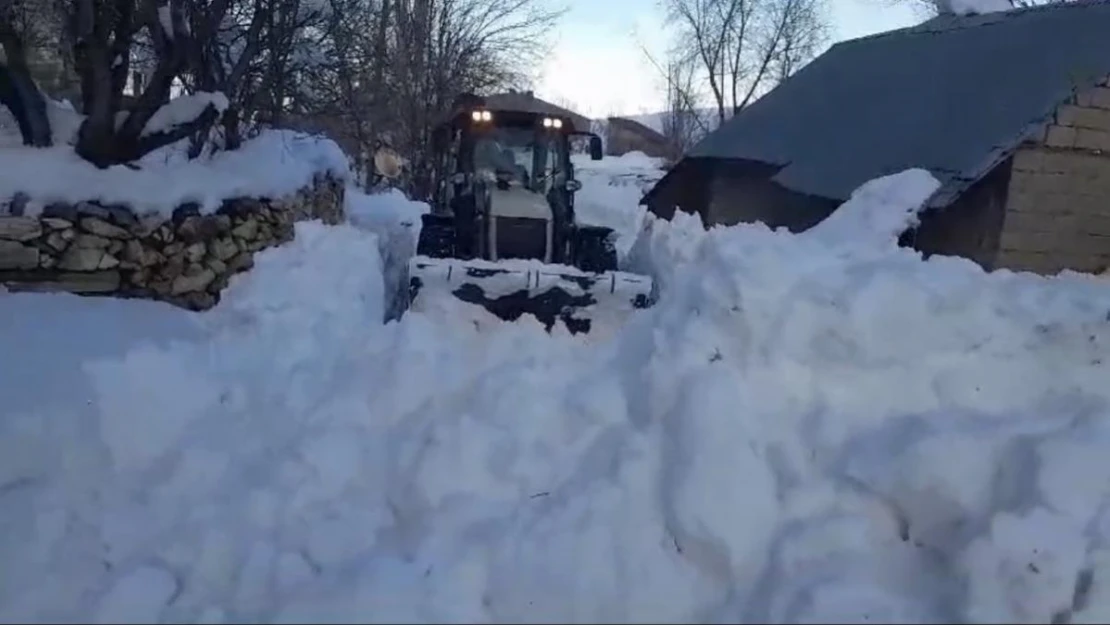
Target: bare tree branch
column 745, row 47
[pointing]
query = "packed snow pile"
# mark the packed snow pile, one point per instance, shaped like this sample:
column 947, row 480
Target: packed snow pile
column 395, row 220
column 611, row 192
column 806, row 428
column 276, row 163
column 184, row 109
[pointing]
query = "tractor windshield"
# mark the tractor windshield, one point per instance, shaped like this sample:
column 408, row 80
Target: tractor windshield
column 520, row 156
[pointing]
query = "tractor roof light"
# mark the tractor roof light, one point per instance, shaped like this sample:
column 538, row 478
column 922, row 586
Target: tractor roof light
column 547, row 122
column 558, row 123
column 481, row 116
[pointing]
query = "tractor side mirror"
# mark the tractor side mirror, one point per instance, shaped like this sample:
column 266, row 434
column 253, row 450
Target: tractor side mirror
column 595, row 148
column 573, row 186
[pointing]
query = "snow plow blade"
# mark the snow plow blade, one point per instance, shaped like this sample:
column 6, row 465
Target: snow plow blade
column 511, row 288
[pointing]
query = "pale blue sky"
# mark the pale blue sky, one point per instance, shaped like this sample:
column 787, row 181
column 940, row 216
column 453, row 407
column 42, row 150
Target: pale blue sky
column 597, row 62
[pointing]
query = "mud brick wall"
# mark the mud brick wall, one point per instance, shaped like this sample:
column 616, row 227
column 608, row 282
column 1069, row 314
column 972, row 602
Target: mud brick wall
column 1058, row 201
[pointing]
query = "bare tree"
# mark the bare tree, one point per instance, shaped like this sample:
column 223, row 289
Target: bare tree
column 399, row 64
column 682, row 123
column 103, row 34
column 742, row 48
column 18, row 91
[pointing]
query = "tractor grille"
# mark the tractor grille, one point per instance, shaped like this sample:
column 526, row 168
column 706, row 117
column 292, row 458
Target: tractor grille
column 521, row 237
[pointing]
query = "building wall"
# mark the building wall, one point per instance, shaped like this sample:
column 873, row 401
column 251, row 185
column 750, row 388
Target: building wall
column 746, row 194
column 1058, row 209
column 685, row 188
column 970, row 226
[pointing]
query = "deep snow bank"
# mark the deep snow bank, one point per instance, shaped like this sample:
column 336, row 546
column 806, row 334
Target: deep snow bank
column 158, row 440
column 806, row 428
column 918, row 437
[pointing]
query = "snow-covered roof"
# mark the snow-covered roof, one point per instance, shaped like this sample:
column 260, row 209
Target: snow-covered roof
column 954, row 95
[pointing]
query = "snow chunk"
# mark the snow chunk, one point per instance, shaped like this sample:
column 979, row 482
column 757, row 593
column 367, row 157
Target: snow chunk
column 395, row 220
column 184, row 109
column 137, row 597
column 1027, row 569
column 273, row 164
column 381, row 211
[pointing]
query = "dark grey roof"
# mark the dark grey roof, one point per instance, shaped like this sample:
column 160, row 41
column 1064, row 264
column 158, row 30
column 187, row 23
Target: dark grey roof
column 954, row 95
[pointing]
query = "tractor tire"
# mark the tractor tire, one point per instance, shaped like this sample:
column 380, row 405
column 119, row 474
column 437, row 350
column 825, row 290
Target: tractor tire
column 437, row 236
column 593, row 249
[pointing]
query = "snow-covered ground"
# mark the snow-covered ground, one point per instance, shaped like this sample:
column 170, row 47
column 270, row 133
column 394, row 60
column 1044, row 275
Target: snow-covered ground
column 812, row 428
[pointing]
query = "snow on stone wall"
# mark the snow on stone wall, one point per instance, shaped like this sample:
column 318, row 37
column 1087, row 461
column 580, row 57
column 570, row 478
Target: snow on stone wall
column 186, row 258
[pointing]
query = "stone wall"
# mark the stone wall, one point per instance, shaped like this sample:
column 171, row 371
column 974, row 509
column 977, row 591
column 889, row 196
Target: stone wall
column 187, row 260
column 1058, row 200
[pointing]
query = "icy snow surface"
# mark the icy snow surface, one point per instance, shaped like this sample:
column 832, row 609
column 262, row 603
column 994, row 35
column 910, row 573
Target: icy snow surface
column 811, row 428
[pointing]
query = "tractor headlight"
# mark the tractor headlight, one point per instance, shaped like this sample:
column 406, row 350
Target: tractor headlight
column 481, row 116
column 547, row 122
column 558, row 123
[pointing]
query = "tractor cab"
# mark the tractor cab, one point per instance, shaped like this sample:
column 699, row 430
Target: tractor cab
column 523, row 148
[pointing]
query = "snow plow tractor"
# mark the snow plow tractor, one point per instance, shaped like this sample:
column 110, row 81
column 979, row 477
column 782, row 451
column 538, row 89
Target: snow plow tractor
column 502, row 231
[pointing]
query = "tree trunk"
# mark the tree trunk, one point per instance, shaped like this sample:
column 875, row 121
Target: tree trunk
column 21, row 95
